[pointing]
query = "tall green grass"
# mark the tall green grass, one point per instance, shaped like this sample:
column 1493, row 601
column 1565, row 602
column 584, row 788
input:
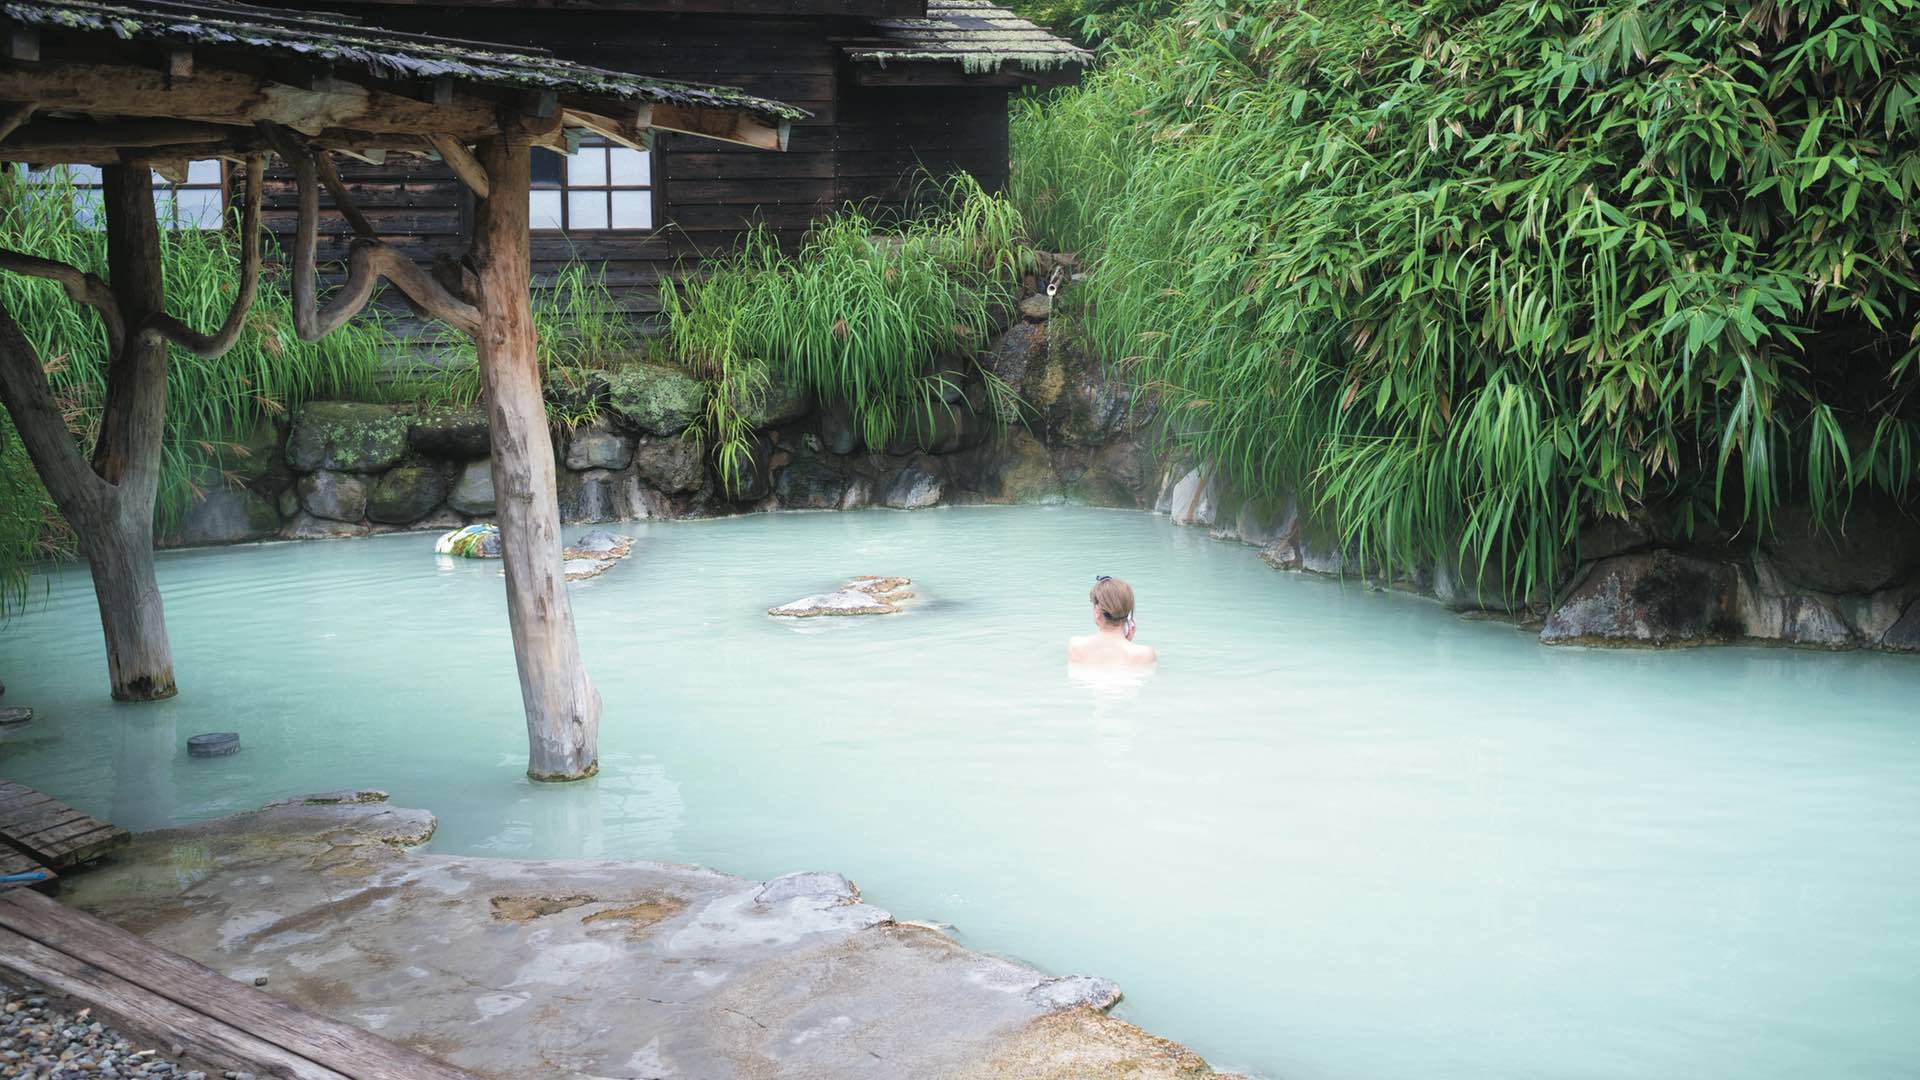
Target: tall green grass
column 1471, row 274
column 876, row 318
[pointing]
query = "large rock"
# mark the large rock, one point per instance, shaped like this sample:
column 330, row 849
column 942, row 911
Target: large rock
column 782, row 400
column 1874, row 546
column 671, row 465
column 1194, row 499
column 1012, row 469
column 596, row 447
column 1904, row 635
column 336, row 496
column 305, row 526
column 1649, row 598
column 226, row 515
column 656, row 398
column 818, row 483
column 451, row 433
column 915, row 488
column 404, row 495
column 838, row 433
column 942, row 429
column 347, row 436
column 1094, row 408
column 255, row 458
column 473, row 492
column 753, row 479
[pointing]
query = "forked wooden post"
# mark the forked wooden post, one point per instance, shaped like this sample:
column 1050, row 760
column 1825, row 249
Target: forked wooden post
column 562, row 705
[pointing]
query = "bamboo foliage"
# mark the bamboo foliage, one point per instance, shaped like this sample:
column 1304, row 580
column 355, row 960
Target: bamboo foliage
column 1473, row 272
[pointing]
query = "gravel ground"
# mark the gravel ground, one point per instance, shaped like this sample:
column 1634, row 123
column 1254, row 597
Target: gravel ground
column 41, row 1039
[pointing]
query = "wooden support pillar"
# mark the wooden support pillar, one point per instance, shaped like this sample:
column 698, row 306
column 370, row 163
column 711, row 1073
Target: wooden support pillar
column 562, row 705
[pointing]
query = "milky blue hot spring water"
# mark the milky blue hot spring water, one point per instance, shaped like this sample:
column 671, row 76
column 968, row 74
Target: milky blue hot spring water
column 1338, row 835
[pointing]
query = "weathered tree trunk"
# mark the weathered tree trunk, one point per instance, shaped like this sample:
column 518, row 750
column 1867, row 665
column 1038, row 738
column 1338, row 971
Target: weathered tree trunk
column 119, row 551
column 119, row 548
column 563, row 708
column 109, row 502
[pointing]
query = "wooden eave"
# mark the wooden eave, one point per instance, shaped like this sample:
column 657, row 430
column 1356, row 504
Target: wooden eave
column 960, row 43
column 180, row 86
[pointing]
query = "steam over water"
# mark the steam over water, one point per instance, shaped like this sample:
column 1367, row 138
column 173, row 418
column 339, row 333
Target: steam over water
column 1338, row 834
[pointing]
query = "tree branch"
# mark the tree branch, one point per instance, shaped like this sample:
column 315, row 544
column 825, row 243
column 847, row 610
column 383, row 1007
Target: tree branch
column 369, row 261
column 210, row 346
column 80, row 286
column 342, row 200
column 75, row 487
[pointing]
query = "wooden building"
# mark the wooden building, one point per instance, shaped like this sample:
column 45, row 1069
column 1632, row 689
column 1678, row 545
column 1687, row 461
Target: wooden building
column 893, row 87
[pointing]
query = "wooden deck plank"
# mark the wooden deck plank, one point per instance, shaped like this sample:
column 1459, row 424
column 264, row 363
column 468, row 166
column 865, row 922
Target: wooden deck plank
column 51, row 832
column 149, row 1018
column 71, row 846
column 341, row 1047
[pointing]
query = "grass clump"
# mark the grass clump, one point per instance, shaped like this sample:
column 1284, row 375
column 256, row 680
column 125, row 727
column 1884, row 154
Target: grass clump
column 876, row 318
column 1471, row 274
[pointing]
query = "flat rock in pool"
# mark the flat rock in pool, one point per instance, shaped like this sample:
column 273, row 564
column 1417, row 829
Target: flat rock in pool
column 868, row 595
column 15, row 714
column 595, row 553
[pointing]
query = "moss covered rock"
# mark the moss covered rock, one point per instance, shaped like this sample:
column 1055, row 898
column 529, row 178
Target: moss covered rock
column 451, row 432
column 405, row 495
column 473, row 492
column 778, row 403
column 226, row 516
column 656, row 398
column 336, row 496
column 348, row 436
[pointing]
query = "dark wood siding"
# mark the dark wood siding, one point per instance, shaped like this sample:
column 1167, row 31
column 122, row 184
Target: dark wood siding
column 862, row 145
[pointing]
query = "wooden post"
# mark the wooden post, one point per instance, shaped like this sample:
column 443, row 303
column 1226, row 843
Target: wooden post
column 562, row 705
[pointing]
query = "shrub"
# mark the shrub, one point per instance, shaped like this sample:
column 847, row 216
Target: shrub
column 1472, row 273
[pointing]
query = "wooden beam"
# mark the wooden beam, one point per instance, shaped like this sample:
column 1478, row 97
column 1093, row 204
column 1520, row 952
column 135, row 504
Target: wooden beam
column 39, row 136
column 23, row 44
column 542, row 103
column 227, row 97
column 632, row 134
column 724, row 125
column 13, row 116
column 174, row 170
column 462, row 162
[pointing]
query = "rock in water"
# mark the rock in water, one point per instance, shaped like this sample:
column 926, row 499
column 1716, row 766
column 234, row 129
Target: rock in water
column 601, row 544
column 15, row 714
column 595, row 553
column 867, row 595
column 470, row 542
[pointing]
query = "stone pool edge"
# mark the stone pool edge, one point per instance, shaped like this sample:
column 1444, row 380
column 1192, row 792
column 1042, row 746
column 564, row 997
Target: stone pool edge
column 597, row 969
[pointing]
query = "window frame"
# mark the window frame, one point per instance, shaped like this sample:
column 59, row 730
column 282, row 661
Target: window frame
column 607, row 189
column 94, row 190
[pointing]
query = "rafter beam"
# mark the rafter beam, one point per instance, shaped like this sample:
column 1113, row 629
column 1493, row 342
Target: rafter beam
column 722, row 124
column 462, row 162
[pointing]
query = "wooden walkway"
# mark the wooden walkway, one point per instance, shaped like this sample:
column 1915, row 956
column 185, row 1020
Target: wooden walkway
column 163, row 999
column 49, row 832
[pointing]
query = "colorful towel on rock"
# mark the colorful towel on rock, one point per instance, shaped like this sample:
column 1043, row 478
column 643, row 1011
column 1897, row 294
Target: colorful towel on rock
column 470, row 542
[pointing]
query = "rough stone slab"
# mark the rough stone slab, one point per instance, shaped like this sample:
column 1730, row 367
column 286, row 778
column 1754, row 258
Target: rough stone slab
column 599, row 968
column 15, row 714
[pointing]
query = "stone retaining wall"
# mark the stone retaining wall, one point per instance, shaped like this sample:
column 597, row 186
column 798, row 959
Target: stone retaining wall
column 348, row 469
column 1638, row 583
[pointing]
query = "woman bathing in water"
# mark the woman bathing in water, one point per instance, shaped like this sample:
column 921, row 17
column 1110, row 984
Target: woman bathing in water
column 1112, row 640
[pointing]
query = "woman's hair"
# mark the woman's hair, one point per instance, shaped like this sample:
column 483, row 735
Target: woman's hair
column 1114, row 598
